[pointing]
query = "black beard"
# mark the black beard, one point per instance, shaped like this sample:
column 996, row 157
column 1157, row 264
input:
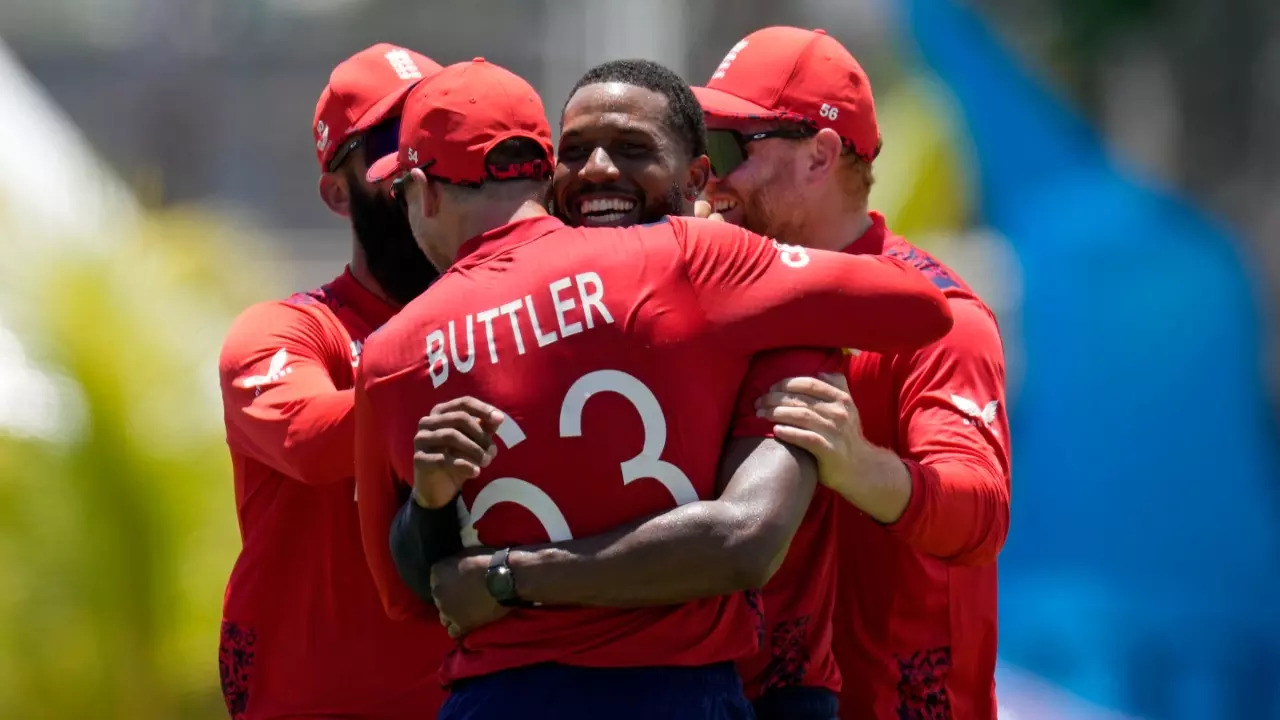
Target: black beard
column 393, row 256
column 672, row 204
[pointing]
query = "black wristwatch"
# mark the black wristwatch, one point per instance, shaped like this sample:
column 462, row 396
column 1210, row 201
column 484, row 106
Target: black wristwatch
column 501, row 583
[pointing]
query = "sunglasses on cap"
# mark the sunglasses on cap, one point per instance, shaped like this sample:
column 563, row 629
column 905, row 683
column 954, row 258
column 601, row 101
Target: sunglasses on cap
column 527, row 170
column 381, row 139
column 398, row 185
column 727, row 149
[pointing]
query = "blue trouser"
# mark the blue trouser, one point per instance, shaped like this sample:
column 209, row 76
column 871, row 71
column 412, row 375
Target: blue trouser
column 562, row 692
column 798, row 703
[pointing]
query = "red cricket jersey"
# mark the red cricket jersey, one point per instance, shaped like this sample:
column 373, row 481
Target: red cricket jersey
column 617, row 354
column 303, row 633
column 800, row 599
column 916, row 631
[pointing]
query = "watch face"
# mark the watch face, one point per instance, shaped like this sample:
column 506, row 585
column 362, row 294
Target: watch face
column 500, row 583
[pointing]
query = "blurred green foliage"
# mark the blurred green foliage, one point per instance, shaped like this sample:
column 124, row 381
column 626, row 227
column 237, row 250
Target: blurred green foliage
column 117, row 529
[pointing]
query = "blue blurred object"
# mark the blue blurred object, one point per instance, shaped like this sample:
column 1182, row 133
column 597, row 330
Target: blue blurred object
column 1142, row 570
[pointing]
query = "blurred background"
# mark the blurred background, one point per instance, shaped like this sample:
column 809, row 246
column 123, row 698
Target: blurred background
column 1105, row 172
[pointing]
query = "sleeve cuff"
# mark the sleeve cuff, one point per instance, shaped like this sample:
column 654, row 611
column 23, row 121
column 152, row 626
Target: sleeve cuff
column 920, row 488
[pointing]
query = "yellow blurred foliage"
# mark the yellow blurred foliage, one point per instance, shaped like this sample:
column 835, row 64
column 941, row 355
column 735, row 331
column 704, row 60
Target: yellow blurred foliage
column 923, row 175
column 117, row 525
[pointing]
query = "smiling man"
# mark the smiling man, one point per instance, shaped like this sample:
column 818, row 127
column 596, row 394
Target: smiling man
column 632, row 151
column 919, row 448
column 672, row 338
column 632, row 147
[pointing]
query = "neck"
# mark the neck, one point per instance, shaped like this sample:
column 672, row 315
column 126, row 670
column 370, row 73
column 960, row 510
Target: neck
column 360, row 271
column 492, row 215
column 833, row 224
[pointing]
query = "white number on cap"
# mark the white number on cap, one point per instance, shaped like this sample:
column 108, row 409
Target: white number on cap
column 828, row 111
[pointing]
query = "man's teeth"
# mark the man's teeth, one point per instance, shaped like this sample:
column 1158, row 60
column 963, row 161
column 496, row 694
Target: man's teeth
column 724, row 205
column 607, row 205
column 606, row 218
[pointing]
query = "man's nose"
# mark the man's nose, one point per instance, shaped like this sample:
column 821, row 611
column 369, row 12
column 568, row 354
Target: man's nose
column 599, row 167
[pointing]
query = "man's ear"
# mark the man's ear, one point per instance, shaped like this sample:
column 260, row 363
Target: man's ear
column 824, row 153
column 336, row 195
column 431, row 193
column 696, row 180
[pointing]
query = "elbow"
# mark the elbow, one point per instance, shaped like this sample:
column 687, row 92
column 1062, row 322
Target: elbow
column 924, row 317
column 932, row 320
column 756, row 552
column 993, row 543
column 989, row 541
column 315, row 465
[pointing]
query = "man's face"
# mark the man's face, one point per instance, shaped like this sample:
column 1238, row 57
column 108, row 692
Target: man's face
column 619, row 163
column 383, row 231
column 761, row 194
column 425, row 228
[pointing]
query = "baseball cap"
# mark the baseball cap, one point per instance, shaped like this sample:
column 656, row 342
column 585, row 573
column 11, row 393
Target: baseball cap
column 454, row 118
column 789, row 73
column 364, row 90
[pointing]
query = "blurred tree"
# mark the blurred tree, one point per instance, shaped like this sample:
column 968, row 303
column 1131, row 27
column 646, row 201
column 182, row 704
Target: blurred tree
column 117, row 530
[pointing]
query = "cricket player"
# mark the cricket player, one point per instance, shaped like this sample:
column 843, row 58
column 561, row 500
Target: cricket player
column 304, row 634
column 563, row 328
column 633, row 149
column 916, row 443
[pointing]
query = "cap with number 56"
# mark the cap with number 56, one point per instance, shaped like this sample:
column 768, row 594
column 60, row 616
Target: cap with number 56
column 806, row 76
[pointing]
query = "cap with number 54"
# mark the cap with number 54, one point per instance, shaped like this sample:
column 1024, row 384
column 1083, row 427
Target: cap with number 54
column 806, row 76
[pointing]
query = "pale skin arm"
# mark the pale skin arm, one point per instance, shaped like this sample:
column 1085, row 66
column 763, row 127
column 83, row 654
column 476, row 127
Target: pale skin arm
column 819, row 416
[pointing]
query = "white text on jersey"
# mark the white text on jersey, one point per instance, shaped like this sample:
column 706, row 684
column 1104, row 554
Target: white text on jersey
column 572, row 316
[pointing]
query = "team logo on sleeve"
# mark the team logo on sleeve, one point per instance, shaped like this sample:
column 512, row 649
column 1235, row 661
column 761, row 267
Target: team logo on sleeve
column 276, row 369
column 983, row 415
column 792, row 255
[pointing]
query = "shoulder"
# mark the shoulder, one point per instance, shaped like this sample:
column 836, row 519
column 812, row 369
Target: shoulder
column 401, row 341
column 973, row 345
column 303, row 327
column 942, row 276
column 974, row 330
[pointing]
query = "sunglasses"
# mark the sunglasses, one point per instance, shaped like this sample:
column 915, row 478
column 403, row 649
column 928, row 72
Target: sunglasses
column 727, row 149
column 381, row 139
column 398, row 185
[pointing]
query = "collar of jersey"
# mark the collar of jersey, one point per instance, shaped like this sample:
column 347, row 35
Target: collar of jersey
column 872, row 241
column 486, row 245
column 370, row 308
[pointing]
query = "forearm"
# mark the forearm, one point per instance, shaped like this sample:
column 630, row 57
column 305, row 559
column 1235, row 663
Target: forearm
column 959, row 511
column 883, row 488
column 674, row 557
column 318, row 439
column 697, row 550
column 419, row 538
column 307, row 439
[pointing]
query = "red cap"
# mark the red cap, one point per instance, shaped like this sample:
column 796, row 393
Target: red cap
column 788, row 73
column 454, row 118
column 364, row 90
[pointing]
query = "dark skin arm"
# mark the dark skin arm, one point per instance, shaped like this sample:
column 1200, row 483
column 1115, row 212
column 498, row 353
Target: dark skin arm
column 701, row 549
column 706, row 548
column 426, row 528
